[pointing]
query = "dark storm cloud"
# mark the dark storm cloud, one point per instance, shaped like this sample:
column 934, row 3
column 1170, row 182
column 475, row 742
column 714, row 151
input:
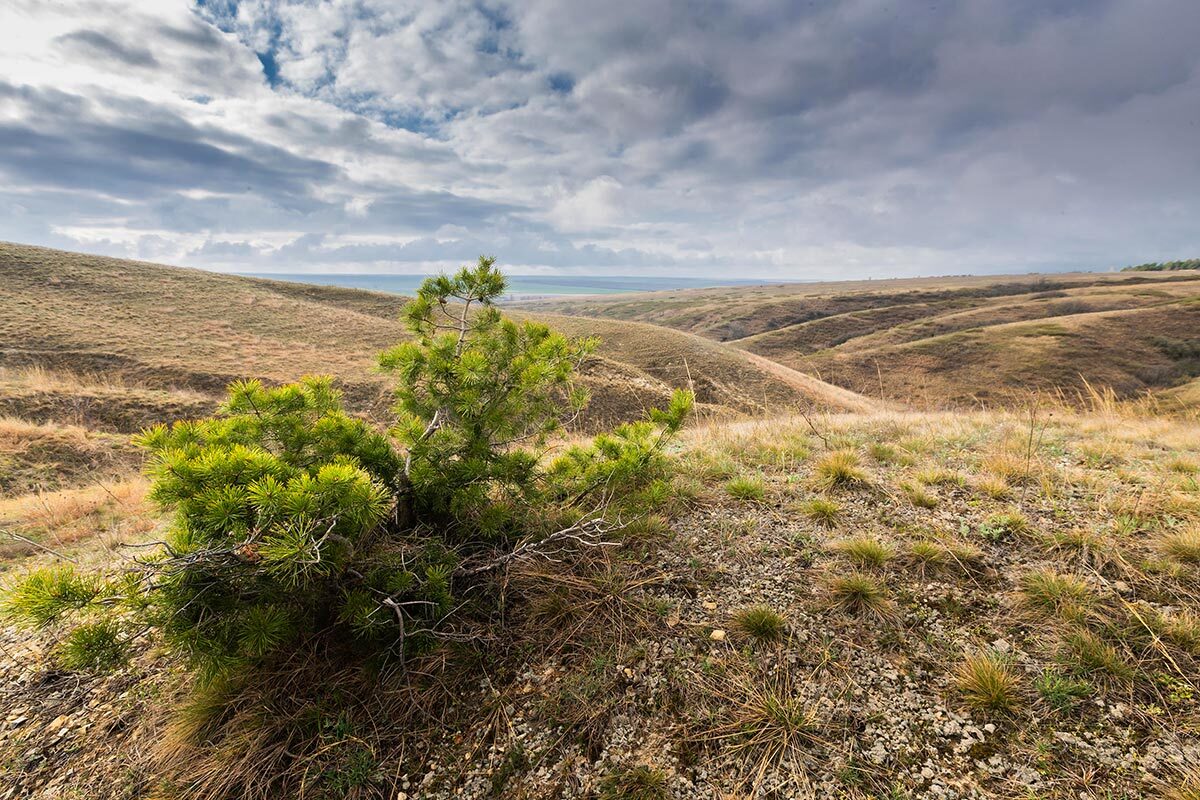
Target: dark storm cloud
column 766, row 136
column 64, row 142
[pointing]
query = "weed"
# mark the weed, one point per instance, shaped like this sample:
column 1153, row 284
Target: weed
column 1004, row 525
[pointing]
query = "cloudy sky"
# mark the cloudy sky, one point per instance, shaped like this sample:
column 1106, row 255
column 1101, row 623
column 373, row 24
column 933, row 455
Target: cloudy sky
column 802, row 139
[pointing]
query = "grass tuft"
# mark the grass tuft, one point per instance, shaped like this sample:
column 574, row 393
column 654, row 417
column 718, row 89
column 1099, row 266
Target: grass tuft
column 1182, row 546
column 1055, row 593
column 822, row 510
column 866, row 552
column 840, row 469
column 987, row 681
column 749, row 488
column 760, row 622
column 918, row 495
column 940, row 476
column 1085, row 653
column 636, row 783
column 927, row 555
column 861, row 595
column 995, row 488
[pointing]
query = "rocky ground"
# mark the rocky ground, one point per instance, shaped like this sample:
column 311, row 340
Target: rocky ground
column 848, row 679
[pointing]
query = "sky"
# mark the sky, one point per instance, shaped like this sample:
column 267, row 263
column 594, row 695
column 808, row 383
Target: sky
column 809, row 139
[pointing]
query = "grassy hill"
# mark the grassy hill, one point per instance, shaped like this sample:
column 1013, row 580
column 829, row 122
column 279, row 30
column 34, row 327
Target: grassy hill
column 950, row 340
column 156, row 329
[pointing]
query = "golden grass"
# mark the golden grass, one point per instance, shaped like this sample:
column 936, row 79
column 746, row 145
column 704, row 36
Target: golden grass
column 840, row 469
column 1054, row 593
column 986, row 680
column 1182, row 545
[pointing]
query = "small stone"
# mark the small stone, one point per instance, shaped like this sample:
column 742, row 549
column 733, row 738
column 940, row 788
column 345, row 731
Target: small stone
column 710, row 606
column 717, row 635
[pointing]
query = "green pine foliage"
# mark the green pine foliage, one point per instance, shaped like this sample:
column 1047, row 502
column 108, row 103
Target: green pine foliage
column 472, row 384
column 296, row 522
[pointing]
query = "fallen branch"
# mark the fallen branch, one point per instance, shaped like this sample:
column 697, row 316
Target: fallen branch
column 587, row 533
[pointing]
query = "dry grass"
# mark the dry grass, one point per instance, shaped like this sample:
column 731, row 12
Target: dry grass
column 866, row 552
column 986, row 680
column 861, row 595
column 1183, row 545
column 65, row 517
column 840, row 469
column 50, row 456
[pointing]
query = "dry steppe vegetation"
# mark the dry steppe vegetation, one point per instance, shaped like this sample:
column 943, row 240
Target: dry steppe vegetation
column 832, row 596
column 946, row 342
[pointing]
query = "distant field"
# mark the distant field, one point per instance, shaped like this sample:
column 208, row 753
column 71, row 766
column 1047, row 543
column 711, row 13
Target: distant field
column 949, row 341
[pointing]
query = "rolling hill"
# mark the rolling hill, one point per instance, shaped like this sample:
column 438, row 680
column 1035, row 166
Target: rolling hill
column 172, row 337
column 949, row 341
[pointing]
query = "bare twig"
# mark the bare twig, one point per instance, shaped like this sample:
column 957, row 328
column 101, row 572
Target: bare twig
column 37, row 544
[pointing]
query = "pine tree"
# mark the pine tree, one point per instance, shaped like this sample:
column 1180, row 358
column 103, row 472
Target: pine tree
column 294, row 520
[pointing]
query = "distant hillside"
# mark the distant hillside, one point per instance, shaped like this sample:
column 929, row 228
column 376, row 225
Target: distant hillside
column 941, row 341
column 178, row 336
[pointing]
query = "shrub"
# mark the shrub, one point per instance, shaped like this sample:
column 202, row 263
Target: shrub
column 294, row 521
